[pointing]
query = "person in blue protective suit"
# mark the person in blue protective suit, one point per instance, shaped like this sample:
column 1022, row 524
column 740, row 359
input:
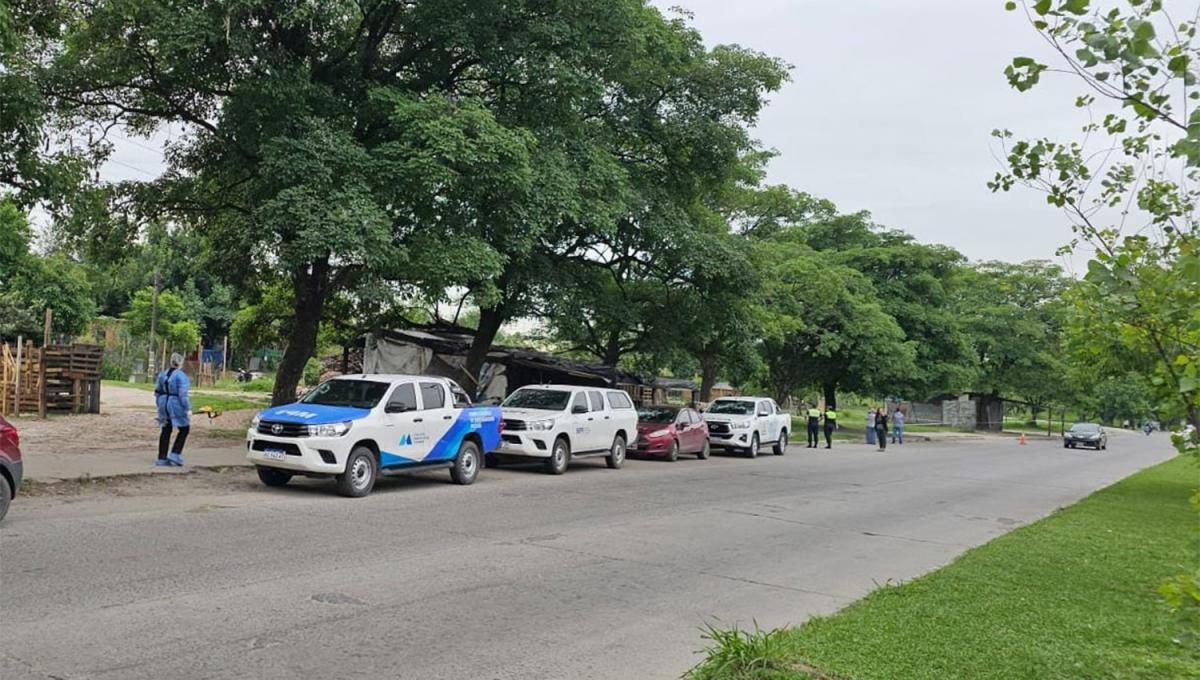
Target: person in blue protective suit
column 174, row 410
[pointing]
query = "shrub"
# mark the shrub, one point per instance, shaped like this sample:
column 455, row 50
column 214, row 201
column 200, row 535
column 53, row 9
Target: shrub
column 259, row 385
column 312, row 372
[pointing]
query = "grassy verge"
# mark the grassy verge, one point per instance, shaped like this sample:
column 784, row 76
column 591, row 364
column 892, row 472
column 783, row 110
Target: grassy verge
column 1071, row 596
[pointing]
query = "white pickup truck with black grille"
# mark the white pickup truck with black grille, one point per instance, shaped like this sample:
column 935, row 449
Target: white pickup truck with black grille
column 556, row 423
column 746, row 423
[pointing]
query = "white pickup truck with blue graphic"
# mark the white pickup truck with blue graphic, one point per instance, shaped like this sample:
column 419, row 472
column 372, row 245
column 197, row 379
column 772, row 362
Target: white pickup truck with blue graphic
column 356, row 428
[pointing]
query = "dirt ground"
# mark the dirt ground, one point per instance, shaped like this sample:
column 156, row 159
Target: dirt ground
column 122, row 440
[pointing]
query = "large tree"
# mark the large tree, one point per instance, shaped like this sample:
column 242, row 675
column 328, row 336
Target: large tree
column 825, row 326
column 341, row 144
column 1129, row 185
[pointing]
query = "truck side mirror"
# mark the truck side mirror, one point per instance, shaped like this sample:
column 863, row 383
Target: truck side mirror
column 578, row 408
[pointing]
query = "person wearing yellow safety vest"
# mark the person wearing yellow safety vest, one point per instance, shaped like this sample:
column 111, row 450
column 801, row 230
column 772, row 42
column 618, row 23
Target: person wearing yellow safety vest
column 830, row 425
column 814, row 426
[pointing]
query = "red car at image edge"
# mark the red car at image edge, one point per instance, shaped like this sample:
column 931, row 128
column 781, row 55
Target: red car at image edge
column 10, row 465
column 667, row 431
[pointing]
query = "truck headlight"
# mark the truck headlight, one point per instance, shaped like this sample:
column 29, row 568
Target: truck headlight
column 541, row 425
column 744, row 425
column 329, row 430
column 255, row 420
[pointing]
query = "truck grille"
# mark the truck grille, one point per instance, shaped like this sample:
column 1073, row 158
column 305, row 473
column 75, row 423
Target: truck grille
column 719, row 428
column 514, row 426
column 278, row 429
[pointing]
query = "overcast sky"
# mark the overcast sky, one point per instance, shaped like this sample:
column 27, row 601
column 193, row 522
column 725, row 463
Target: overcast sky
column 891, row 106
column 889, row 110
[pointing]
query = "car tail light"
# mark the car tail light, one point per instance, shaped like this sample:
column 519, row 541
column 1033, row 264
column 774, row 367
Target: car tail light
column 7, row 430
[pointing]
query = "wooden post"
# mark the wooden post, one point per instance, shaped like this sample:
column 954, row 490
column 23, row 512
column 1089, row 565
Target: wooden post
column 17, row 391
column 225, row 358
column 46, row 331
column 42, row 384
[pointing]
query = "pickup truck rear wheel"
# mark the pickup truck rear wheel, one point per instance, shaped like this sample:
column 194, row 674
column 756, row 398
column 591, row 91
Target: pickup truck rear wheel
column 560, row 457
column 5, row 496
column 753, row 450
column 616, row 454
column 466, row 464
column 781, row 445
column 359, row 477
column 273, row 477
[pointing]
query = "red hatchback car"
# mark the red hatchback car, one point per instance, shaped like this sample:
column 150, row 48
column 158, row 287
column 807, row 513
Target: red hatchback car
column 669, row 431
column 10, row 465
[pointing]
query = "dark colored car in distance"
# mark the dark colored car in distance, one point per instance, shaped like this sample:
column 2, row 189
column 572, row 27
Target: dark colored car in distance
column 667, row 431
column 10, row 465
column 1085, row 434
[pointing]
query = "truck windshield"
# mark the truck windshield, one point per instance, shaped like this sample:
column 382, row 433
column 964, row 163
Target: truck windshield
column 733, row 407
column 352, row 393
column 542, row 400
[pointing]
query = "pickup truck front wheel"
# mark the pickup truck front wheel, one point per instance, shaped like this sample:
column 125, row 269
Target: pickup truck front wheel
column 359, row 477
column 466, row 464
column 560, row 457
column 753, row 450
column 616, row 455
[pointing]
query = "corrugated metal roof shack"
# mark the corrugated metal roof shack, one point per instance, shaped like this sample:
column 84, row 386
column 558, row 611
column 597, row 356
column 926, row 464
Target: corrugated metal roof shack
column 442, row 350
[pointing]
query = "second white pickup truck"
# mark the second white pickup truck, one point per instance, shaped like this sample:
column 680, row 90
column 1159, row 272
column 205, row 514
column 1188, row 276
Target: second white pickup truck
column 559, row 422
column 746, row 423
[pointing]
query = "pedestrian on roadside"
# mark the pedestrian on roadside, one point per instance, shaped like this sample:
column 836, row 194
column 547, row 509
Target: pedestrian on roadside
column 870, row 425
column 174, row 410
column 830, row 426
column 814, row 426
column 898, row 426
column 881, row 431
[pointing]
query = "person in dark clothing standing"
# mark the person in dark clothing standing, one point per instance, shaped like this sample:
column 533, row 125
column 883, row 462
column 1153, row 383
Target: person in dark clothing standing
column 881, row 428
column 814, row 426
column 830, row 426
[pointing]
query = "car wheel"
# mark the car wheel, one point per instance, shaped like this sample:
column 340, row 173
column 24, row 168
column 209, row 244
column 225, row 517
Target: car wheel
column 703, row 455
column 781, row 445
column 560, row 457
column 5, row 496
column 466, row 464
column 359, row 477
column 616, row 455
column 273, row 477
column 673, row 453
column 1104, row 446
column 753, row 450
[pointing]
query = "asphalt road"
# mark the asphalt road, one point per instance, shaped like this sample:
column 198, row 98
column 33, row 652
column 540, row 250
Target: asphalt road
column 596, row 574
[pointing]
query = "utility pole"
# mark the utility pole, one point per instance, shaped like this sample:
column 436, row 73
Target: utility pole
column 151, row 368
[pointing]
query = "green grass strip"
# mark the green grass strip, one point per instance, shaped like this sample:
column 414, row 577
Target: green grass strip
column 1071, row 596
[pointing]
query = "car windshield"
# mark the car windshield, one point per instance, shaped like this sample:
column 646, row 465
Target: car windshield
column 542, row 400
column 1085, row 428
column 352, row 393
column 732, row 406
column 657, row 415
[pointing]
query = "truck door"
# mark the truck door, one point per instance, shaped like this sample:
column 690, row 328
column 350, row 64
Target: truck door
column 603, row 428
column 763, row 420
column 582, row 425
column 395, row 430
column 436, row 417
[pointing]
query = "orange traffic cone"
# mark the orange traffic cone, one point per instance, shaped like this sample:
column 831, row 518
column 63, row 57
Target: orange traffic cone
column 1022, row 440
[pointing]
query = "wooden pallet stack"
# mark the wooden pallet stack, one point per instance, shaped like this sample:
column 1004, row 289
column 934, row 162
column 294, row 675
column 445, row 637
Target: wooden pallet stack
column 51, row 379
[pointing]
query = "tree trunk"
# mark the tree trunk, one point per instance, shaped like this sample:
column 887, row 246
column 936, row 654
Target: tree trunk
column 490, row 321
column 708, row 375
column 311, row 286
column 830, row 390
column 345, row 358
column 612, row 352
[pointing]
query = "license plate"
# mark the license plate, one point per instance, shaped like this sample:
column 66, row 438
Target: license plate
column 274, row 454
